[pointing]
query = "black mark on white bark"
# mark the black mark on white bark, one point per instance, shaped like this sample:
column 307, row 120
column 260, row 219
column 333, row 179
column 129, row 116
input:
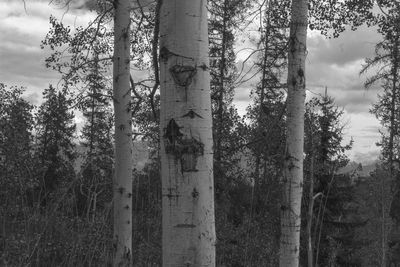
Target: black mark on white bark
column 192, row 114
column 172, row 132
column 182, row 74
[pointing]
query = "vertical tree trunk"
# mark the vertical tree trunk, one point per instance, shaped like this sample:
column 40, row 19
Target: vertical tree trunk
column 186, row 136
column 222, row 68
column 392, row 133
column 261, row 113
column 293, row 169
column 122, row 186
column 383, row 224
column 392, row 129
column 310, row 199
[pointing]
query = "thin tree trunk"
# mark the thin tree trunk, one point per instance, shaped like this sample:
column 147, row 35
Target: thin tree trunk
column 186, row 136
column 393, row 105
column 317, row 237
column 122, row 186
column 392, row 132
column 222, row 67
column 321, row 221
column 311, row 200
column 262, row 97
column 293, row 168
column 383, row 224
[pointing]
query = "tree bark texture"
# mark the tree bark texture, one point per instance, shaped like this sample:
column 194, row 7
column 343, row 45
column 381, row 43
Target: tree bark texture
column 188, row 237
column 122, row 186
column 293, row 169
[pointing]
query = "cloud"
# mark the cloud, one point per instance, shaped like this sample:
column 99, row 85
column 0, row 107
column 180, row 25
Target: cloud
column 354, row 100
column 334, row 63
column 242, row 94
column 33, row 98
column 372, row 128
column 22, row 60
column 21, row 30
column 350, row 46
column 366, row 158
column 341, row 76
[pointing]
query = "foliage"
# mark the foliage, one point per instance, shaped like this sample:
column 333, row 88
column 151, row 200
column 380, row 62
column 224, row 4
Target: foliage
column 16, row 125
column 335, row 16
column 54, row 146
column 97, row 166
column 56, row 212
column 147, row 216
column 374, row 193
column 335, row 215
column 386, row 109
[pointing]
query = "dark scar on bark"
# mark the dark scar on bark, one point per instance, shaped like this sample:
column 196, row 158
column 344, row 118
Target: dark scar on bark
column 172, row 132
column 182, row 74
column 192, row 114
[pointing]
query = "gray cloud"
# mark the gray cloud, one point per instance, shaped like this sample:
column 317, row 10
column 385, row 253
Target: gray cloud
column 242, row 94
column 34, row 98
column 21, row 30
column 354, row 101
column 25, row 66
column 366, row 157
column 350, row 46
column 334, row 63
column 372, row 128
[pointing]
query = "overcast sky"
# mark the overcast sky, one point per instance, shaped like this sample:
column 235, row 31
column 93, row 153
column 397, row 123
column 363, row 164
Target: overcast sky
column 334, row 63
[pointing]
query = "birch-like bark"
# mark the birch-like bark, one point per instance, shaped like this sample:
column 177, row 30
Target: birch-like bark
column 122, row 186
column 293, row 169
column 186, row 136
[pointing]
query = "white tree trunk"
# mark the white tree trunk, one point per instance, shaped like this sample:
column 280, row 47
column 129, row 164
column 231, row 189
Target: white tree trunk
column 186, row 137
column 122, row 186
column 293, row 170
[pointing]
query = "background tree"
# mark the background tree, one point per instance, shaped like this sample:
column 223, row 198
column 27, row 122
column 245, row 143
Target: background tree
column 17, row 172
column 375, row 194
column 224, row 23
column 122, row 183
column 385, row 63
column 54, row 149
column 98, row 159
column 329, row 193
column 265, row 135
column 92, row 47
column 293, row 162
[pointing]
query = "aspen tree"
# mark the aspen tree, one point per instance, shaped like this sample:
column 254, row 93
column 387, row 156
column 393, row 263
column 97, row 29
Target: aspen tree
column 293, row 168
column 122, row 187
column 186, row 136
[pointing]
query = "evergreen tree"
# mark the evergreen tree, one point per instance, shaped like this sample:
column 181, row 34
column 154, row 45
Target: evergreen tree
column 386, row 63
column 268, row 96
column 16, row 163
column 334, row 216
column 376, row 194
column 224, row 21
column 55, row 129
column 265, row 137
column 96, row 135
